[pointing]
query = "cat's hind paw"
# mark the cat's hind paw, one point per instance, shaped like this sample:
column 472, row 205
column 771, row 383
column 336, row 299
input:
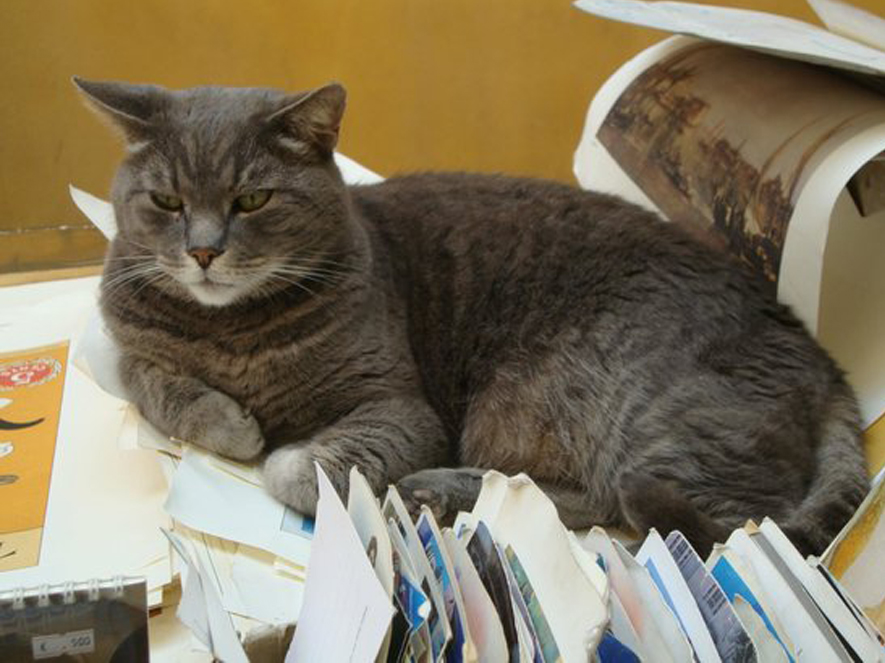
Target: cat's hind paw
column 445, row 491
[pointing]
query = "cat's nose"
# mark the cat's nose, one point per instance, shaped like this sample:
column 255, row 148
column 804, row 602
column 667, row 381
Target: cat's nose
column 205, row 255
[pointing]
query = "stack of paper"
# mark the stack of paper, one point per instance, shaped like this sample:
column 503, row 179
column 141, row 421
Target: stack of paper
column 506, row 584
column 753, row 599
column 510, row 583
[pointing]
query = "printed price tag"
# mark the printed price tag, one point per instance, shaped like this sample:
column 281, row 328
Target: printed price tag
column 52, row 646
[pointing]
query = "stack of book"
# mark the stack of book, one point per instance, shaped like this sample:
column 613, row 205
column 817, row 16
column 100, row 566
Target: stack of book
column 508, row 582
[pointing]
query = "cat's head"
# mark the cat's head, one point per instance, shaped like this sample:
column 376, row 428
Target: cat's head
column 226, row 193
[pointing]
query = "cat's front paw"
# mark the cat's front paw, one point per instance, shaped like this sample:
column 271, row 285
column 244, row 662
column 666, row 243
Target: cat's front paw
column 216, row 422
column 290, row 477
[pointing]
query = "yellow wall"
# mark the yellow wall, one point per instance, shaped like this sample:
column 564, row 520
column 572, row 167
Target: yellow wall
column 491, row 85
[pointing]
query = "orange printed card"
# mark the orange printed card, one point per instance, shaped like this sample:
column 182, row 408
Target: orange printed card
column 31, row 387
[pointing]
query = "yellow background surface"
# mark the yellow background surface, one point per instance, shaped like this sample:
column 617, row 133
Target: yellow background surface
column 487, row 85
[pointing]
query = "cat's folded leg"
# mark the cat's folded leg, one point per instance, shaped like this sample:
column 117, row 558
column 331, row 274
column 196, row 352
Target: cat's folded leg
column 446, row 491
column 385, row 439
column 188, row 409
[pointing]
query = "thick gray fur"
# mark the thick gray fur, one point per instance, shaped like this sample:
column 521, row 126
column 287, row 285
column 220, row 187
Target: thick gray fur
column 437, row 325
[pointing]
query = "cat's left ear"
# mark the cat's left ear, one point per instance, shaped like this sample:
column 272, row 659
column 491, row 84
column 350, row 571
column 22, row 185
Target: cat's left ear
column 131, row 108
column 313, row 119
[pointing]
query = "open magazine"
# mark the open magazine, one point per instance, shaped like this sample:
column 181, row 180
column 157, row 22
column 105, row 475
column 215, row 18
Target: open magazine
column 765, row 136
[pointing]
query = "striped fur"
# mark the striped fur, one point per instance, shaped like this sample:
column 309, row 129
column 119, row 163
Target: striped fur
column 434, row 326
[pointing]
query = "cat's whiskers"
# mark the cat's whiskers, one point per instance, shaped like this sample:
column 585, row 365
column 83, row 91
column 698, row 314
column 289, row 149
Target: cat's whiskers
column 331, row 278
column 151, row 280
column 297, row 284
column 147, row 270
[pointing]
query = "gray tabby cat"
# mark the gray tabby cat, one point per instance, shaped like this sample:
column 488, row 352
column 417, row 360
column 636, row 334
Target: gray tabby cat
column 435, row 326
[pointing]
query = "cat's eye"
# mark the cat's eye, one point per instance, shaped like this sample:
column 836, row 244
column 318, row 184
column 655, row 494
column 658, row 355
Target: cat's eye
column 167, row 201
column 255, row 200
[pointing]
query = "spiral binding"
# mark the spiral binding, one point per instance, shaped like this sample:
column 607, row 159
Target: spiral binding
column 67, row 593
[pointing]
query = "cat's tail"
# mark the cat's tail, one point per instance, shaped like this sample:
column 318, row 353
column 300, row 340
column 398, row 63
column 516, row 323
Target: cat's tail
column 841, row 481
column 835, row 491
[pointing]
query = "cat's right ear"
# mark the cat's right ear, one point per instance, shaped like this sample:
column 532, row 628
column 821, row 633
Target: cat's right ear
column 311, row 120
column 130, row 108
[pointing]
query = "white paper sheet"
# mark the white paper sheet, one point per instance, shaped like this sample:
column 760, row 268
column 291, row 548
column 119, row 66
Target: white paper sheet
column 851, row 22
column 207, row 499
column 202, row 611
column 346, row 611
column 769, row 33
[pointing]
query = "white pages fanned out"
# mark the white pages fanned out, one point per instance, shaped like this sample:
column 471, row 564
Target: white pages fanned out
column 827, row 600
column 805, row 626
column 346, row 612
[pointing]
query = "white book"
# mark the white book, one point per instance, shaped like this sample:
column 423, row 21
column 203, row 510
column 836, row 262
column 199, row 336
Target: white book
column 848, row 600
column 827, row 600
column 813, row 639
column 655, row 557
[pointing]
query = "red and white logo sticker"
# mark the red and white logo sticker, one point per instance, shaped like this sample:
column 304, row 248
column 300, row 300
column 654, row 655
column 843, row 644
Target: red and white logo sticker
column 29, row 373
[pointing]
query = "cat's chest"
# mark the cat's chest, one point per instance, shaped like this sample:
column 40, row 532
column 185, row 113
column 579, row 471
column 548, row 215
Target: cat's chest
column 280, row 384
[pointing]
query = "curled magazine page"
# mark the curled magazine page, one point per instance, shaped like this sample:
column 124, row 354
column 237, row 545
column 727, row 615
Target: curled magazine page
column 738, row 581
column 655, row 557
column 729, row 636
column 752, row 154
column 440, row 631
column 365, row 513
column 461, row 647
column 485, row 625
column 525, row 519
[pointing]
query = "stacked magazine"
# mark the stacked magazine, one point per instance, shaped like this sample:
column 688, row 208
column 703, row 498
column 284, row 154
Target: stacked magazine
column 508, row 582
